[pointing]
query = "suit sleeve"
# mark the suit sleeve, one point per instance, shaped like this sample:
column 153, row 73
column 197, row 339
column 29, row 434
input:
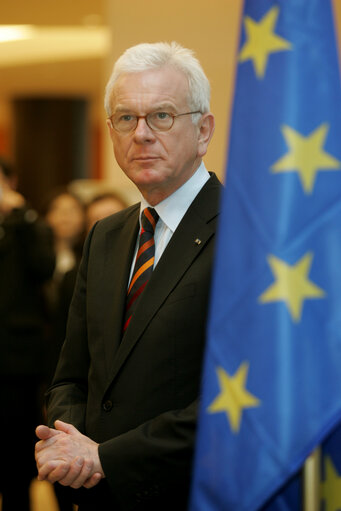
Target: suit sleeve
column 151, row 460
column 67, row 397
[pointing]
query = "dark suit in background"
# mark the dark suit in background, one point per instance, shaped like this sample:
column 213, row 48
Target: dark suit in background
column 26, row 261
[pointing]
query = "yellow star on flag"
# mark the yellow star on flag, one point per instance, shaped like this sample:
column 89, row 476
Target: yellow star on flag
column 331, row 487
column 306, row 155
column 292, row 285
column 261, row 41
column 233, row 397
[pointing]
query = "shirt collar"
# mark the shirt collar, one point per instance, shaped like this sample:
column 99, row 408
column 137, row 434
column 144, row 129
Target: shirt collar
column 172, row 209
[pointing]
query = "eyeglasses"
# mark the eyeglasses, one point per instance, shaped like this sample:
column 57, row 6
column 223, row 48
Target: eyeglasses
column 156, row 121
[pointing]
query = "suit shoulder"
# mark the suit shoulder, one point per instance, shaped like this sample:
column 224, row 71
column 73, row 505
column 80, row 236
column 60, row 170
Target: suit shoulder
column 206, row 203
column 214, row 181
column 117, row 219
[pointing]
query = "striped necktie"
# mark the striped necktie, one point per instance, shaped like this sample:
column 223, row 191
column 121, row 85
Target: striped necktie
column 144, row 262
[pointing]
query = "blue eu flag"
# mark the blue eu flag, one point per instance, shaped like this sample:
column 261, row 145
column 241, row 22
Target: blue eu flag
column 271, row 389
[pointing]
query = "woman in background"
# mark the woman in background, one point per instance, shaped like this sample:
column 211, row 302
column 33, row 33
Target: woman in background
column 65, row 214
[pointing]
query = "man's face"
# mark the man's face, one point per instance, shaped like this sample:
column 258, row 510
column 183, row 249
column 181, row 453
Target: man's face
column 157, row 162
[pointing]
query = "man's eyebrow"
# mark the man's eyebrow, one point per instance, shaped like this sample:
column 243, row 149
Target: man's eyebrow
column 121, row 108
column 164, row 106
column 157, row 108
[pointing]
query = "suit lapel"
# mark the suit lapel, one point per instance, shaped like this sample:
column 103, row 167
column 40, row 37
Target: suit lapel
column 119, row 250
column 190, row 238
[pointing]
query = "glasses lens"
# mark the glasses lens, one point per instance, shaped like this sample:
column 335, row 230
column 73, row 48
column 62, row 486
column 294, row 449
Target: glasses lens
column 160, row 121
column 124, row 123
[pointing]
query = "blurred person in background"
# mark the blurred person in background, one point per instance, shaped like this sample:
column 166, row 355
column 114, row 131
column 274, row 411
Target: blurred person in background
column 103, row 205
column 26, row 262
column 65, row 214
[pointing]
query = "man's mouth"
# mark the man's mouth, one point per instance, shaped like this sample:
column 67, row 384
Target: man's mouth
column 145, row 159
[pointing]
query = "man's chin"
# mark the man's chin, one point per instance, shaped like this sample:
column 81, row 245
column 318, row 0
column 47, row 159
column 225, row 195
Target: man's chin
column 147, row 176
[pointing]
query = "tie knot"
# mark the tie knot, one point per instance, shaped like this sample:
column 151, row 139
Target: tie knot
column 149, row 218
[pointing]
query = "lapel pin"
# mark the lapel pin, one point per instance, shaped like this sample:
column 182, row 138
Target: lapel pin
column 197, row 241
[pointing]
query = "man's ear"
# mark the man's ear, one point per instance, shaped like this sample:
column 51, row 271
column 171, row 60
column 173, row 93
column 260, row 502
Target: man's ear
column 206, row 129
column 110, row 128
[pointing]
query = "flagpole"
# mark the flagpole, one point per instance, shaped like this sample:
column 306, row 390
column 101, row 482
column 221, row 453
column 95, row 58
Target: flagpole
column 311, row 481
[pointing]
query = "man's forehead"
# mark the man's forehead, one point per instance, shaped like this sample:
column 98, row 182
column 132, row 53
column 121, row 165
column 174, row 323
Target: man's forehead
column 164, row 70
column 165, row 85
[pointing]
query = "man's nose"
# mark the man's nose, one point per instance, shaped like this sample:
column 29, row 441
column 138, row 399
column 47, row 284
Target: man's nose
column 142, row 131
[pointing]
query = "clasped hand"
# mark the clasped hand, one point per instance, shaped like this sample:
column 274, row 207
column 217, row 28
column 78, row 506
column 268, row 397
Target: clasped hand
column 65, row 455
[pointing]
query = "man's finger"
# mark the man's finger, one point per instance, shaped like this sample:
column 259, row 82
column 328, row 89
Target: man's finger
column 44, row 444
column 93, row 480
column 74, row 472
column 65, row 427
column 44, row 432
column 84, row 475
column 53, row 471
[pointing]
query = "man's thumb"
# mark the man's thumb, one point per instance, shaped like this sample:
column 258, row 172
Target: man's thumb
column 44, row 432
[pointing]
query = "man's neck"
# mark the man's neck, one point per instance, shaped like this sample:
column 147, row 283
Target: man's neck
column 158, row 193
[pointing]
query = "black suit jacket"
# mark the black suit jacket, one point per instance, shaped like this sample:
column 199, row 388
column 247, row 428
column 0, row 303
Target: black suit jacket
column 136, row 395
column 26, row 261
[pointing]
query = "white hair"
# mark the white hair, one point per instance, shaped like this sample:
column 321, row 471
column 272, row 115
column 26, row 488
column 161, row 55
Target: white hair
column 145, row 56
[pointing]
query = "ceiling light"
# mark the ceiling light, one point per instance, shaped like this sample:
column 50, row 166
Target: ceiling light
column 15, row 32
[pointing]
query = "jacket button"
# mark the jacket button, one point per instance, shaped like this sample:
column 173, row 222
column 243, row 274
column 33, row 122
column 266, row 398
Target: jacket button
column 107, row 405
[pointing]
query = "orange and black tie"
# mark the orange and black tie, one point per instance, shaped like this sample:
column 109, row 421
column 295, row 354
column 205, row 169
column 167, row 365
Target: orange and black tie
column 144, row 262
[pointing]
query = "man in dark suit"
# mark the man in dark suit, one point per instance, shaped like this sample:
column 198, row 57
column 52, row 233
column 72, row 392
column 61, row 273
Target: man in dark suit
column 123, row 400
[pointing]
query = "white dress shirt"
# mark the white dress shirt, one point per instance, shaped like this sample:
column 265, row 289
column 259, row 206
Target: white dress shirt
column 171, row 211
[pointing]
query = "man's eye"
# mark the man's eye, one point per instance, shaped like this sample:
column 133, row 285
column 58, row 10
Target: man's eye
column 162, row 116
column 126, row 118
